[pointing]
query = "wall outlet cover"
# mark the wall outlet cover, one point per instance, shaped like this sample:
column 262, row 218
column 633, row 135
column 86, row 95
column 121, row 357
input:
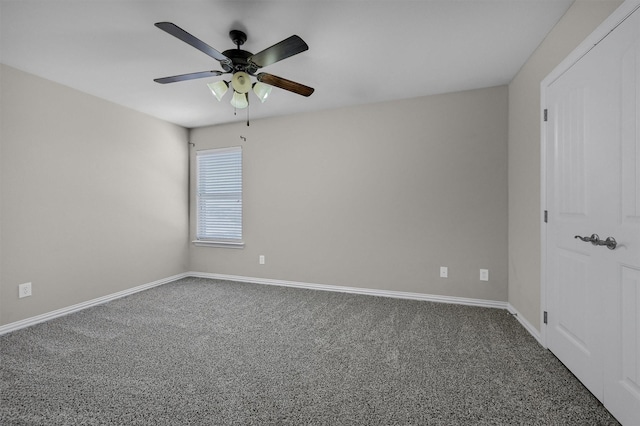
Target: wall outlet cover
column 24, row 290
column 444, row 272
column 484, row 275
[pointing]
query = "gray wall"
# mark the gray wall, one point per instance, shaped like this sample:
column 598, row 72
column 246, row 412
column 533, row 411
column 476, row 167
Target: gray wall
column 524, row 151
column 377, row 196
column 93, row 197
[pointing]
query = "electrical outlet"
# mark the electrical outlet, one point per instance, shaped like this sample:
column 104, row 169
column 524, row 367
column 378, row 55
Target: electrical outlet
column 24, row 290
column 444, row 272
column 484, row 275
column 261, row 259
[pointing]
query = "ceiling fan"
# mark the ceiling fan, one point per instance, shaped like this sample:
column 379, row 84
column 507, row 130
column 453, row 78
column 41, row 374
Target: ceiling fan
column 241, row 64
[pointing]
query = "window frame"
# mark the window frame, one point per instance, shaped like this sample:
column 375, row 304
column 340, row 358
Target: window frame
column 216, row 241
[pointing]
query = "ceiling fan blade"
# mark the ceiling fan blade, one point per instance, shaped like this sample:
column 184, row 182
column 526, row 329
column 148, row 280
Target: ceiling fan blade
column 191, row 76
column 178, row 32
column 285, row 84
column 279, row 51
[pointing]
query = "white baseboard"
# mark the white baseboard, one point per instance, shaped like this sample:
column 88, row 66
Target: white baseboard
column 526, row 324
column 84, row 305
column 384, row 293
column 354, row 290
column 357, row 290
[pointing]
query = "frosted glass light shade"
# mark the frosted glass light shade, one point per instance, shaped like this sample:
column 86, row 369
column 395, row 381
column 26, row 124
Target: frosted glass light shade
column 219, row 88
column 262, row 90
column 241, row 82
column 239, row 100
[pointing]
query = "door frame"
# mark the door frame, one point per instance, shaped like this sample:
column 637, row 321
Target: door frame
column 608, row 25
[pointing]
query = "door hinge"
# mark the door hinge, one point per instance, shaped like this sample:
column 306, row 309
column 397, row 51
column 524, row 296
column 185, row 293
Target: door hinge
column 545, row 115
column 546, row 216
column 544, row 317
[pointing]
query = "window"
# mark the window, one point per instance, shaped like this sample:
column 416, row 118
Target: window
column 219, row 197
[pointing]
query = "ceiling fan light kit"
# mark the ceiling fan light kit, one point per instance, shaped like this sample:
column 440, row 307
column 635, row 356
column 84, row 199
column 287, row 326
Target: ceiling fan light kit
column 241, row 82
column 262, row 90
column 240, row 100
column 219, row 88
column 242, row 65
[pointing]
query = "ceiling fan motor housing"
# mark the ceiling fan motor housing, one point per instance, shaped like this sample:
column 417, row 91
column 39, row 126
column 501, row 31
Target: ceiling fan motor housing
column 239, row 59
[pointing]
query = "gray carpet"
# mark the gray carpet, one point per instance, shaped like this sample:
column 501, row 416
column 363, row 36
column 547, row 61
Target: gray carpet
column 204, row 352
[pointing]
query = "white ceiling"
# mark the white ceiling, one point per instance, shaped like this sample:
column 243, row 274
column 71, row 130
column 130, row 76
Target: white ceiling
column 360, row 51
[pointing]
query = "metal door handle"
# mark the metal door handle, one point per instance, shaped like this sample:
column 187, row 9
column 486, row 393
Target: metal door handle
column 610, row 242
column 594, row 239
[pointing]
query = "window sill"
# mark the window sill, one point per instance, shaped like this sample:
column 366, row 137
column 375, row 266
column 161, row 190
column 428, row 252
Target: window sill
column 220, row 244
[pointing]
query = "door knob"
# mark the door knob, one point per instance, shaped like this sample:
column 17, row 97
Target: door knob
column 594, row 239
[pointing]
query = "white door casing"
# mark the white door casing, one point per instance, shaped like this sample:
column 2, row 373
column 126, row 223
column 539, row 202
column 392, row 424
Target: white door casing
column 622, row 295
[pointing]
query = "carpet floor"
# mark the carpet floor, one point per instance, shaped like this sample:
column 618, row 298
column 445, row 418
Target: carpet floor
column 207, row 352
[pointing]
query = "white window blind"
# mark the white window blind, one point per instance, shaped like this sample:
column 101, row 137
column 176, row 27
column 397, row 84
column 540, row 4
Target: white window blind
column 219, row 196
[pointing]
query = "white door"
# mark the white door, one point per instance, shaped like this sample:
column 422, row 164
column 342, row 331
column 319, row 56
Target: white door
column 593, row 187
